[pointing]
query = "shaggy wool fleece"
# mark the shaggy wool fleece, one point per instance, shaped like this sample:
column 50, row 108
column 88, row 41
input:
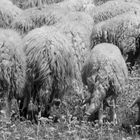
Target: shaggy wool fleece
column 105, row 73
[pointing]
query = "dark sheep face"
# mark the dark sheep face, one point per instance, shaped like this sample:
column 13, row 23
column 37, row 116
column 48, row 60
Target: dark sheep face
column 90, row 113
column 94, row 101
column 90, row 110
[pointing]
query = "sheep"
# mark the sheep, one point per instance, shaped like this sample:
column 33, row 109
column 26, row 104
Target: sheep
column 38, row 16
column 105, row 73
column 35, row 17
column 25, row 4
column 111, row 9
column 78, row 28
column 76, row 5
column 72, row 5
column 12, row 67
column 123, row 31
column 50, row 65
column 129, row 115
column 8, row 12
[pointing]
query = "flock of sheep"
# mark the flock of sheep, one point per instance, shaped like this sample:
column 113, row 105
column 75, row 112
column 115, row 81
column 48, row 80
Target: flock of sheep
column 44, row 49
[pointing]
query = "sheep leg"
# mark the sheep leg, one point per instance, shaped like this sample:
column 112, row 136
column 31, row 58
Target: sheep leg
column 24, row 107
column 93, row 108
column 114, row 112
column 101, row 113
column 95, row 102
column 8, row 108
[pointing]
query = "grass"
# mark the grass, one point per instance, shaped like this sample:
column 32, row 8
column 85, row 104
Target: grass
column 71, row 126
column 66, row 129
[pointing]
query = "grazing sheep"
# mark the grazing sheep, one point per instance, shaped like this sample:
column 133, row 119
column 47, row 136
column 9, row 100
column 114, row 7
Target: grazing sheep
column 122, row 31
column 50, row 66
column 47, row 15
column 12, row 67
column 75, row 5
column 105, row 73
column 129, row 115
column 25, row 4
column 36, row 17
column 78, row 28
column 72, row 5
column 111, row 9
column 8, row 12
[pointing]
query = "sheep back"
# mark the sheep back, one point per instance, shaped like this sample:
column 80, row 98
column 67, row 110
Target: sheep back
column 12, row 62
column 8, row 12
column 122, row 31
column 111, row 9
column 106, row 65
column 50, row 59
